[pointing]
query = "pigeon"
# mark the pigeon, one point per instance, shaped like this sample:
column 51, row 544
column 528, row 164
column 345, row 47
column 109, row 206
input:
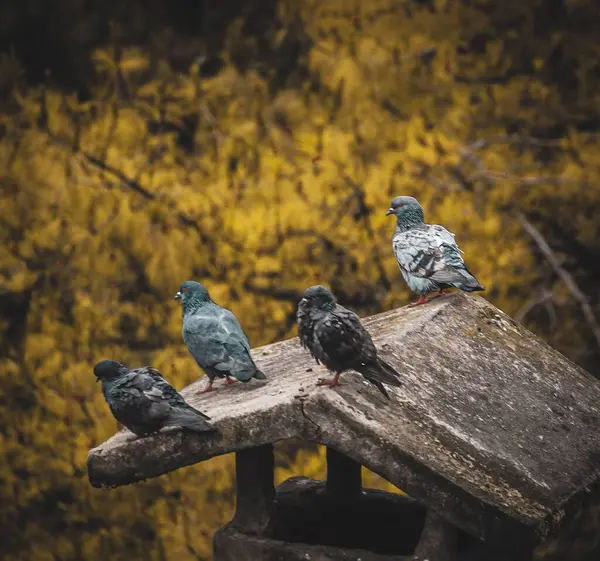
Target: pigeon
column 336, row 337
column 143, row 401
column 427, row 254
column 215, row 338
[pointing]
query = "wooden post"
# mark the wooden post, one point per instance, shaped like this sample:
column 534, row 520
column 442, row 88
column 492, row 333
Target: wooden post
column 438, row 540
column 344, row 475
column 254, row 475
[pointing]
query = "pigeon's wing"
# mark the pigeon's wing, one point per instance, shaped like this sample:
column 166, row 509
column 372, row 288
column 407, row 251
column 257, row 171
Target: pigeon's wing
column 217, row 341
column 453, row 262
column 136, row 403
column 205, row 337
column 234, row 327
column 135, row 382
column 167, row 390
column 430, row 252
column 306, row 327
column 151, row 403
column 343, row 339
column 240, row 363
column 151, row 393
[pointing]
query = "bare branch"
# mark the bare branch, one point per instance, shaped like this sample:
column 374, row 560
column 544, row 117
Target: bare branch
column 119, row 175
column 563, row 274
column 510, row 139
column 491, row 177
column 541, row 298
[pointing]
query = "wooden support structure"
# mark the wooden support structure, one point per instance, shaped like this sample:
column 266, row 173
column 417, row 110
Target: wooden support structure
column 344, row 475
column 495, row 435
column 255, row 489
column 438, row 540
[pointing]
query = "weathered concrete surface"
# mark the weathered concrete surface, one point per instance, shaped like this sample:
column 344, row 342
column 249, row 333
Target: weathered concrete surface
column 493, row 429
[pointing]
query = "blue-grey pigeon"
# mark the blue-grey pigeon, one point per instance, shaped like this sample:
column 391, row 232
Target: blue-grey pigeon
column 144, row 402
column 427, row 254
column 214, row 337
column 336, row 337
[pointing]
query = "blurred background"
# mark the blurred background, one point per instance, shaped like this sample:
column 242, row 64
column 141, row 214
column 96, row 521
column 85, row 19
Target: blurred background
column 255, row 146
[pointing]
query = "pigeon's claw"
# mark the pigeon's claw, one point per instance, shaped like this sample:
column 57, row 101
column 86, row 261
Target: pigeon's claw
column 208, row 387
column 442, row 292
column 330, row 382
column 229, row 380
column 421, row 300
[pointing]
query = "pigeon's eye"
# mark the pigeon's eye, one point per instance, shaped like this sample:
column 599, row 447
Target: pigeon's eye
column 184, row 289
column 399, row 205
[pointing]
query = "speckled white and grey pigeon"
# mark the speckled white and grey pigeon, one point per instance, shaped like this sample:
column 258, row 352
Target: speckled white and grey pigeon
column 214, row 337
column 144, row 402
column 427, row 254
column 336, row 337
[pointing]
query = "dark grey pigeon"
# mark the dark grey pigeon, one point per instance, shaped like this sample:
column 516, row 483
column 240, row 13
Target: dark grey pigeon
column 214, row 337
column 427, row 254
column 336, row 337
column 144, row 401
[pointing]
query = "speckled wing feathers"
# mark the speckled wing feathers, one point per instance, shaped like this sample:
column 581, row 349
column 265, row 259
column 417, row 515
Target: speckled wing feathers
column 339, row 341
column 343, row 339
column 168, row 392
column 429, row 259
column 425, row 252
column 145, row 402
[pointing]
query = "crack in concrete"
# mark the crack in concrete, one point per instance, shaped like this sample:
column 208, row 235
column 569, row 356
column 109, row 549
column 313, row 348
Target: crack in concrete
column 306, row 416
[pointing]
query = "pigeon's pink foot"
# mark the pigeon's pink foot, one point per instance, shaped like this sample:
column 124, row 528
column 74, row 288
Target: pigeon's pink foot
column 330, row 382
column 421, row 300
column 230, row 381
column 440, row 293
column 208, row 388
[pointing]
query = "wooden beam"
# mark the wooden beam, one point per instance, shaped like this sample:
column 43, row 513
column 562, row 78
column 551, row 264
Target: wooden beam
column 438, row 540
column 344, row 475
column 255, row 488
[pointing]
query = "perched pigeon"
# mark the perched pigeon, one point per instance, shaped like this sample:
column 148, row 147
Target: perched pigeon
column 214, row 337
column 336, row 337
column 144, row 401
column 427, row 254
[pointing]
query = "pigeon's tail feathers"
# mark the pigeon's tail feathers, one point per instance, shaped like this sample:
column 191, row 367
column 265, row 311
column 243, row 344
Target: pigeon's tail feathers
column 379, row 373
column 199, row 413
column 470, row 288
column 386, row 373
column 246, row 374
column 470, row 284
column 380, row 387
column 457, row 277
column 190, row 419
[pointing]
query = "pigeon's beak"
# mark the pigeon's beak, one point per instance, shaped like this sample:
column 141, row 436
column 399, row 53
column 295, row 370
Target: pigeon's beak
column 303, row 301
column 390, row 211
column 178, row 296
